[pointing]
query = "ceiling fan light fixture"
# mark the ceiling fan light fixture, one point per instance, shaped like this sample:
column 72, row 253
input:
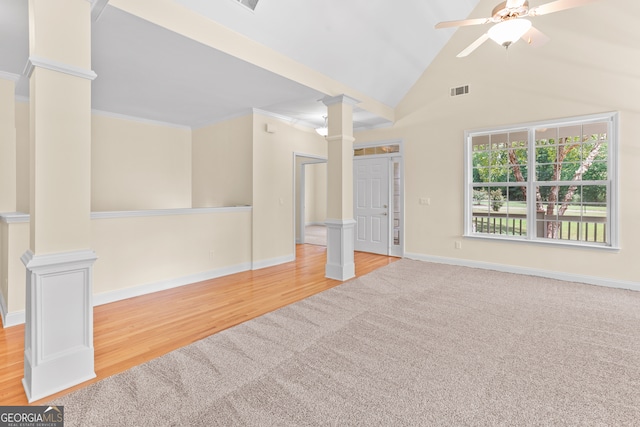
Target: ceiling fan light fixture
column 323, row 130
column 507, row 32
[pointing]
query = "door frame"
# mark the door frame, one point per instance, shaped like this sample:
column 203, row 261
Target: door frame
column 393, row 250
column 310, row 159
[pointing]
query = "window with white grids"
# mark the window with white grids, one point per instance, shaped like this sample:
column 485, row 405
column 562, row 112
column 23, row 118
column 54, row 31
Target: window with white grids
column 549, row 181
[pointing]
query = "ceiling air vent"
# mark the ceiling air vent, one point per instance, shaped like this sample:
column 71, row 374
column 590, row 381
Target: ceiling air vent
column 460, row 90
column 251, row 4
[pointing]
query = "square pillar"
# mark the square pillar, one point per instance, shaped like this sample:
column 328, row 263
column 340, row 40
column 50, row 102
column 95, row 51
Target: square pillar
column 340, row 223
column 58, row 310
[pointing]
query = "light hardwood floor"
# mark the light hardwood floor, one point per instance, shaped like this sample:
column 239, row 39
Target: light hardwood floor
column 133, row 331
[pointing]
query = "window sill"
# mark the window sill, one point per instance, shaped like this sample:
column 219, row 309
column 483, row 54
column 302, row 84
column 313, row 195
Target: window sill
column 561, row 244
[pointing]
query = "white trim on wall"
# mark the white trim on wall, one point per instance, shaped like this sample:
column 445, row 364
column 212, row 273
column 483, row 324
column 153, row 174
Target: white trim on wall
column 135, row 291
column 14, row 217
column 567, row 277
column 10, row 319
column 138, row 119
column 19, row 217
column 257, row 265
column 166, row 212
column 243, row 113
column 286, row 119
column 9, row 76
column 17, row 318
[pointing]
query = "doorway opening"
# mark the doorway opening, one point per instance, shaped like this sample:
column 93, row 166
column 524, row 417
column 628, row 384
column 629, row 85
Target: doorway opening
column 310, row 207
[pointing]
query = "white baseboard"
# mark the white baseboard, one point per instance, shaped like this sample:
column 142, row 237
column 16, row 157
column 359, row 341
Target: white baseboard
column 10, row 319
column 257, row 265
column 3, row 309
column 13, row 319
column 113, row 296
column 568, row 277
column 18, row 318
column 322, row 223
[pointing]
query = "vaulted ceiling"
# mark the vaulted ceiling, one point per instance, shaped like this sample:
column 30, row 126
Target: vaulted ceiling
column 375, row 48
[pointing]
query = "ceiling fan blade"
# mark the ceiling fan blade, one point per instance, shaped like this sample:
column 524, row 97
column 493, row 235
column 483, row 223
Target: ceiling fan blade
column 535, row 37
column 514, row 3
column 557, row 6
column 462, row 23
column 473, row 46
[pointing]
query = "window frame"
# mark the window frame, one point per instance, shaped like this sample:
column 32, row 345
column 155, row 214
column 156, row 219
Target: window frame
column 612, row 226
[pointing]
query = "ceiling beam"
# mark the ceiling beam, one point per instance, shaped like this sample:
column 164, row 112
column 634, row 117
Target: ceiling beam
column 179, row 19
column 97, row 6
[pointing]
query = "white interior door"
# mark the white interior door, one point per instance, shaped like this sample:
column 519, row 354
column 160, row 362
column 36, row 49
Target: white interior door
column 371, row 207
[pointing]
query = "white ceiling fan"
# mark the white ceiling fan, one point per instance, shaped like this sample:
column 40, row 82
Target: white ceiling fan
column 510, row 24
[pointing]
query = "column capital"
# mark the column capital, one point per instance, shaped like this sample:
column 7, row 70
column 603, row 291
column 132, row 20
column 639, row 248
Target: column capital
column 50, row 64
column 339, row 99
column 349, row 139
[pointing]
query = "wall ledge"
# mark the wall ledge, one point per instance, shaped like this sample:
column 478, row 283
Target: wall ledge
column 167, row 212
column 258, row 265
column 20, row 217
column 14, row 217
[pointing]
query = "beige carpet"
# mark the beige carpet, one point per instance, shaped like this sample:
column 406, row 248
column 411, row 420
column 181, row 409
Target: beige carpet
column 411, row 344
column 315, row 235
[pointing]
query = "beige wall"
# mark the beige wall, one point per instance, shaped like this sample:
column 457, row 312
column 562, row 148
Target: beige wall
column 22, row 156
column 14, row 241
column 142, row 250
column 316, row 193
column 59, row 156
column 222, row 163
column 8, row 182
column 4, row 260
column 136, row 251
column 273, row 198
column 578, row 72
column 137, row 165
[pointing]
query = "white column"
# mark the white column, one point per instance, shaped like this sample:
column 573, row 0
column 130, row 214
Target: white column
column 59, row 310
column 340, row 222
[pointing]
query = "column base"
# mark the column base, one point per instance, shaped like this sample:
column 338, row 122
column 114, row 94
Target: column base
column 62, row 373
column 340, row 244
column 58, row 343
